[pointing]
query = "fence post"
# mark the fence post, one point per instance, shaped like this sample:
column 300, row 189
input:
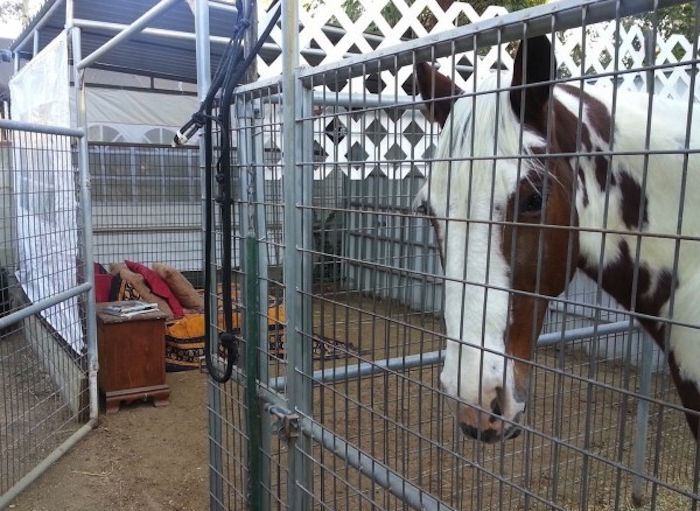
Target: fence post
column 202, row 46
column 299, row 390
column 641, row 426
column 254, row 265
column 86, row 223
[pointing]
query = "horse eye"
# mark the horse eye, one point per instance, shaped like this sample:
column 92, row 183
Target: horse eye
column 532, row 204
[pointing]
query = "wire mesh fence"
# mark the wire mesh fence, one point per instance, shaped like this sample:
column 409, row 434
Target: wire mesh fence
column 488, row 292
column 45, row 393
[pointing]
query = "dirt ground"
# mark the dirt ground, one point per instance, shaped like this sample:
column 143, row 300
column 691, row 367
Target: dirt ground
column 142, row 458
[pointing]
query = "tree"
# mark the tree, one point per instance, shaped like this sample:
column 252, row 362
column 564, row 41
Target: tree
column 14, row 10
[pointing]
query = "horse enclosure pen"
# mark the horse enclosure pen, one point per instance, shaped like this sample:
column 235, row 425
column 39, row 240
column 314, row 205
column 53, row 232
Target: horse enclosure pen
column 476, row 234
column 487, row 243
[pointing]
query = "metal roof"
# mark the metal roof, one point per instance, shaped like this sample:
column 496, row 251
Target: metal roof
column 143, row 54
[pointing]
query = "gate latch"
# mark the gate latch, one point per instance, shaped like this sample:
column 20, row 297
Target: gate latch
column 287, row 424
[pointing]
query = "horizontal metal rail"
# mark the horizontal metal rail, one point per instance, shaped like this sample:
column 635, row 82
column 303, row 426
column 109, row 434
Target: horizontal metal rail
column 37, row 26
column 41, row 305
column 351, row 371
column 9, row 124
column 384, row 476
column 7, row 497
column 501, row 29
column 146, row 228
column 373, row 468
column 134, row 28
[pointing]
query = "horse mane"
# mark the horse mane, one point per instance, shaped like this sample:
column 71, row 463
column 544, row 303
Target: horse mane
column 481, row 124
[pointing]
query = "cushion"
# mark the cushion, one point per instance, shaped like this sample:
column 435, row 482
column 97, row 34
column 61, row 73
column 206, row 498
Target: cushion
column 185, row 292
column 158, row 286
column 115, row 268
column 138, row 282
column 103, row 283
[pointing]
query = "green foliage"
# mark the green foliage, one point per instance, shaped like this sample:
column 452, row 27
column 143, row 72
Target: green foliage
column 512, row 5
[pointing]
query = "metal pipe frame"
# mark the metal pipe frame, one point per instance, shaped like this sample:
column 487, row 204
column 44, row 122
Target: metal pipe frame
column 39, row 24
column 36, row 307
column 137, row 26
column 299, row 350
column 11, row 494
column 218, row 40
column 203, row 51
column 9, row 124
column 86, row 220
column 384, row 476
column 351, row 371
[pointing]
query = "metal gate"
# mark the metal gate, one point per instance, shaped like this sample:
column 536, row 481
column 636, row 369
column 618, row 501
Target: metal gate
column 344, row 303
column 48, row 361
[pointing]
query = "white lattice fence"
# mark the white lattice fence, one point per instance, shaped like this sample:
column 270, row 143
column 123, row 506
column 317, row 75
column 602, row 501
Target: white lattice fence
column 331, row 29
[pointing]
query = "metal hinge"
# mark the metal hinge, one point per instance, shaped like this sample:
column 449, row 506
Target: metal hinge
column 287, row 424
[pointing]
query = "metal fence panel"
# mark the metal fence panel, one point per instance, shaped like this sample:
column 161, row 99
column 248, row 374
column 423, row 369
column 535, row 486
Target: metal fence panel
column 46, row 388
column 436, row 335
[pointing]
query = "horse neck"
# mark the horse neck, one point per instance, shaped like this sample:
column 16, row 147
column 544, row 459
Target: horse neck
column 631, row 197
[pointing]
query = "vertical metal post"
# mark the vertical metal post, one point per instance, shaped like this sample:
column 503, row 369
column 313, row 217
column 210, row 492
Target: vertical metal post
column 86, row 220
column 254, row 265
column 202, row 46
column 258, row 155
column 641, row 427
column 35, row 43
column 299, row 391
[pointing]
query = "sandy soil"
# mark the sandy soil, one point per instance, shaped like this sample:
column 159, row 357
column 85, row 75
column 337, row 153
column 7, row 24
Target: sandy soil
column 156, row 459
column 142, row 458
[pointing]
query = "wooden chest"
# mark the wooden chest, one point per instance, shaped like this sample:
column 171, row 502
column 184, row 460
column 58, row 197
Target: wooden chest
column 132, row 358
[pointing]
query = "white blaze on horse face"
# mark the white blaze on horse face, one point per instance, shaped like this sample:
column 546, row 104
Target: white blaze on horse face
column 476, row 309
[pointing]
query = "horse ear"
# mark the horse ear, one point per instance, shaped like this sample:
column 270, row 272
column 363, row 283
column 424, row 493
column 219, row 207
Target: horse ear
column 433, row 86
column 533, row 64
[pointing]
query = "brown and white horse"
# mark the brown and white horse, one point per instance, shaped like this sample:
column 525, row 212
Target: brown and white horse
column 491, row 217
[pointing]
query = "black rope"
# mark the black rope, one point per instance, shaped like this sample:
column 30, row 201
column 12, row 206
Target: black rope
column 230, row 71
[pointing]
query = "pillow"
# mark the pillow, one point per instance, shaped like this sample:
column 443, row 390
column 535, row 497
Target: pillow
column 185, row 292
column 158, row 286
column 138, row 283
column 103, row 283
column 115, row 268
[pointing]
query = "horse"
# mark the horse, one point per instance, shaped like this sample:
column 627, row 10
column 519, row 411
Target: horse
column 539, row 179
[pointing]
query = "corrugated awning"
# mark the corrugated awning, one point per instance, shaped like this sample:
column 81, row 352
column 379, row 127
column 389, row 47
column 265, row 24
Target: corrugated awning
column 142, row 54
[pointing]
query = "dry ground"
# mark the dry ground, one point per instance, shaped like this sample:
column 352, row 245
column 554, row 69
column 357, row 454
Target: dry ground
column 142, row 458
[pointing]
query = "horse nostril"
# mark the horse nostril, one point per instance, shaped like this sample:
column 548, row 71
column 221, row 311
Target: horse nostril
column 496, row 408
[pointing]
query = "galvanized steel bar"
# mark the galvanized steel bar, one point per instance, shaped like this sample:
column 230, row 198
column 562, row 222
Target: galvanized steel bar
column 86, row 220
column 36, row 307
column 642, row 424
column 252, row 361
column 298, row 352
column 380, row 473
column 35, row 45
column 17, row 47
column 350, row 371
column 8, row 124
column 383, row 475
column 134, row 28
column 10, row 495
column 203, row 51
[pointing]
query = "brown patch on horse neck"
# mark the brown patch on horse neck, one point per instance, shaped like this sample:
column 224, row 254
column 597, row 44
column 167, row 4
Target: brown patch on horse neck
column 632, row 202
column 617, row 280
column 602, row 168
